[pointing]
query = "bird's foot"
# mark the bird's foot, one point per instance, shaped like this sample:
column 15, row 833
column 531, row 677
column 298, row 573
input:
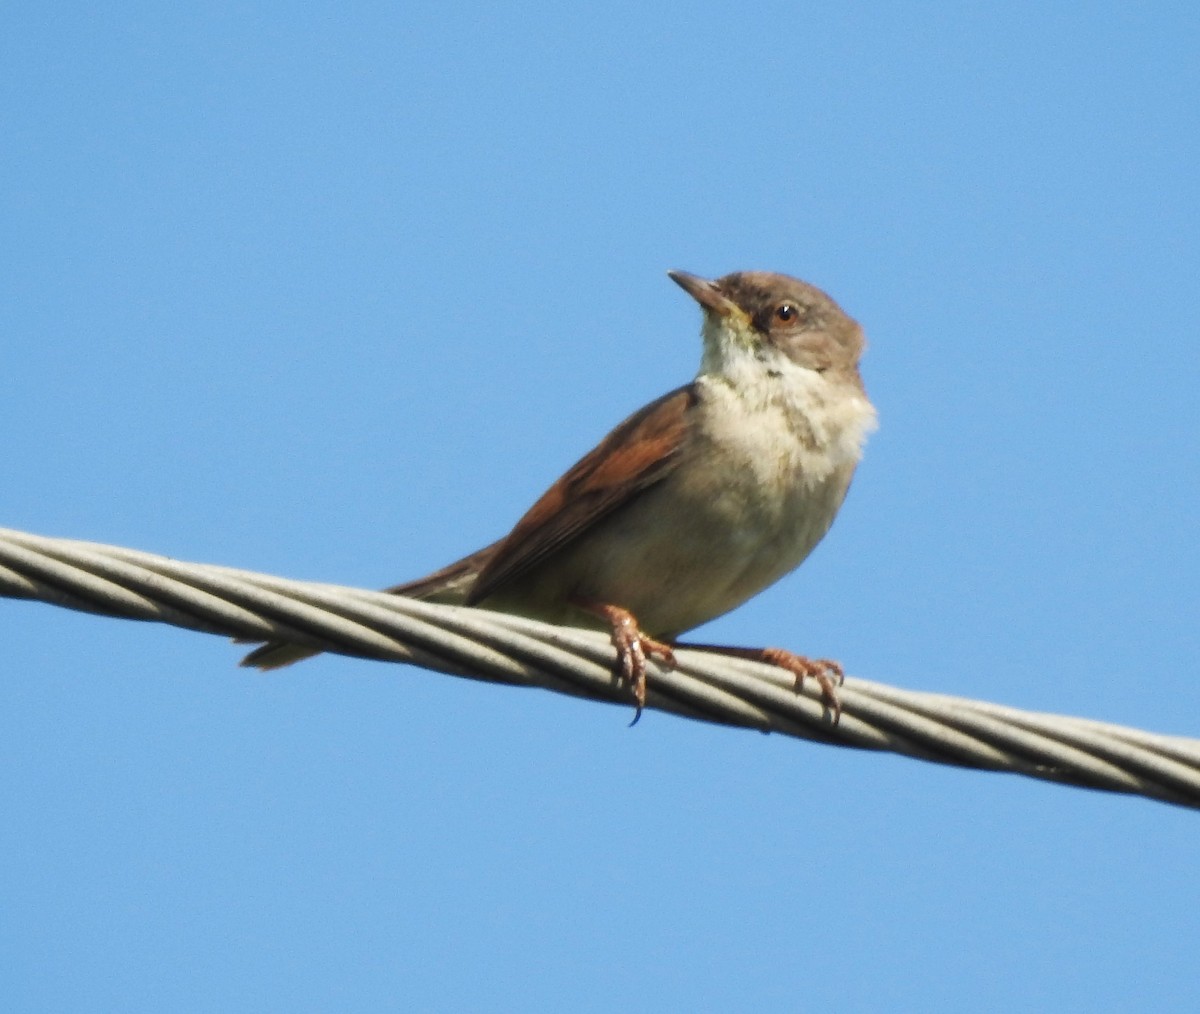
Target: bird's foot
column 633, row 648
column 828, row 674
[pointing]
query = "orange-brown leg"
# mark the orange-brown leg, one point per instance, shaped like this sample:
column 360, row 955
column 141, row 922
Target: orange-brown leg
column 633, row 647
column 828, row 673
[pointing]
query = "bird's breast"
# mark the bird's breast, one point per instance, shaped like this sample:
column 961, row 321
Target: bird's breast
column 757, row 483
column 757, row 486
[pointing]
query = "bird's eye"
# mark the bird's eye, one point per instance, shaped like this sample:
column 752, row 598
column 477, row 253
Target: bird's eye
column 786, row 312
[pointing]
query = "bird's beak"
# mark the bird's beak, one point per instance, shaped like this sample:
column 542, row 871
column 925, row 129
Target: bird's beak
column 704, row 292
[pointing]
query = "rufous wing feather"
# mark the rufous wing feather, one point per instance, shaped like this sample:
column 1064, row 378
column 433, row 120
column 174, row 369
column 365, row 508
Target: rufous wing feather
column 635, row 455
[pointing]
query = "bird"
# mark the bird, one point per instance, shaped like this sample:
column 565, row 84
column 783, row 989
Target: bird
column 694, row 503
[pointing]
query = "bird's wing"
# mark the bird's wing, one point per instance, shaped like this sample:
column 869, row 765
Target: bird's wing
column 450, row 584
column 637, row 454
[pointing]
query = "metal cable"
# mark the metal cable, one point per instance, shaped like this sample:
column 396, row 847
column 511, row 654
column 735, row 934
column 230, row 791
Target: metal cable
column 495, row 647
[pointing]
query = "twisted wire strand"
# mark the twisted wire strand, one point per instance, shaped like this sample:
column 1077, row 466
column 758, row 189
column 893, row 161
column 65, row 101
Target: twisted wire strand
column 499, row 648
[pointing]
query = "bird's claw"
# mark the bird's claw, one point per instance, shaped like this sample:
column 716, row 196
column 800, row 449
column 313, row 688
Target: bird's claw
column 828, row 674
column 633, row 649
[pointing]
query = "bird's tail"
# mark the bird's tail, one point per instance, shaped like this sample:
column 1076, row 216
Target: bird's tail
column 448, row 585
column 276, row 654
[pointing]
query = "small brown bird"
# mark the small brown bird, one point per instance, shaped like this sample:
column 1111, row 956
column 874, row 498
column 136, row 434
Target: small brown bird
column 696, row 502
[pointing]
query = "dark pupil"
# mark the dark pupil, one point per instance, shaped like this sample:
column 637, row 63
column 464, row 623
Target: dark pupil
column 786, row 312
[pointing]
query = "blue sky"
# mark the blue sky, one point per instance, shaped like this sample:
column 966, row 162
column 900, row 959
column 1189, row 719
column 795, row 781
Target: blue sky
column 334, row 292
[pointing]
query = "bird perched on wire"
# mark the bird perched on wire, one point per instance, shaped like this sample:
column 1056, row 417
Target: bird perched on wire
column 696, row 502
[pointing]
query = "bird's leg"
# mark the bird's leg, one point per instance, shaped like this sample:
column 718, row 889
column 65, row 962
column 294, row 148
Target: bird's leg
column 828, row 673
column 633, row 647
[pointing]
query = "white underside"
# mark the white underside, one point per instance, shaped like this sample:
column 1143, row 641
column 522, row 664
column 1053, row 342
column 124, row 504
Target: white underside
column 759, row 483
